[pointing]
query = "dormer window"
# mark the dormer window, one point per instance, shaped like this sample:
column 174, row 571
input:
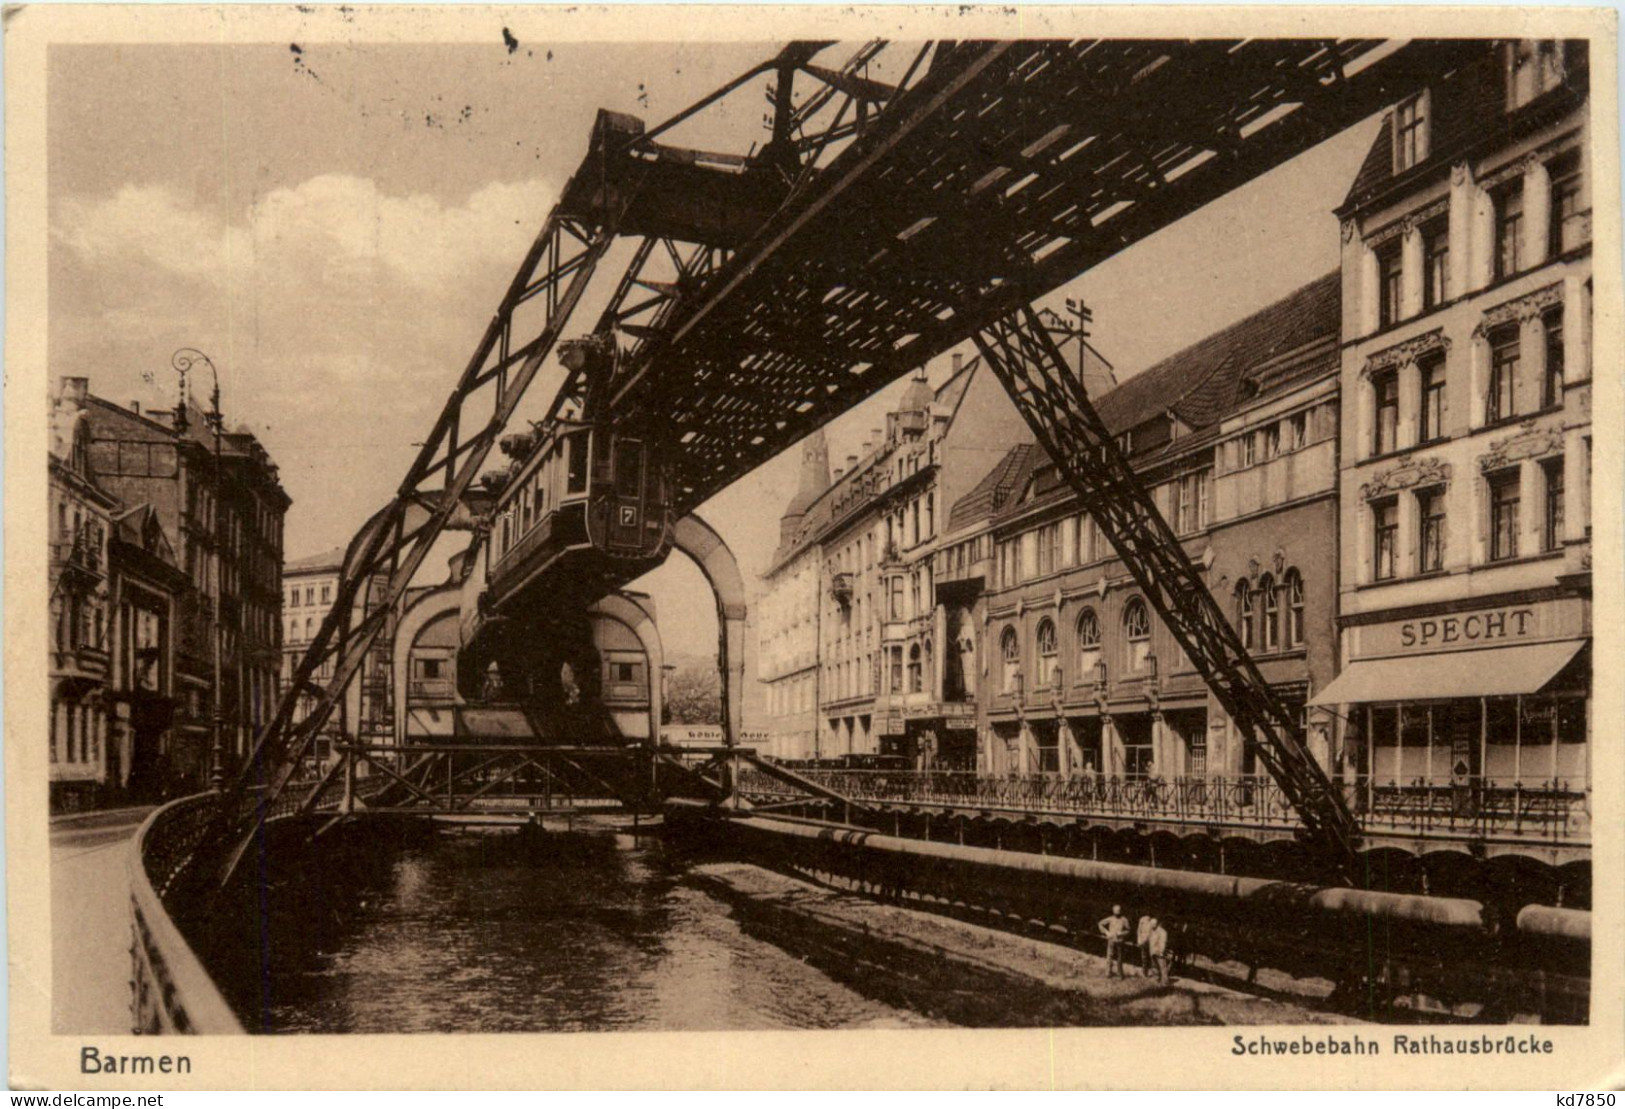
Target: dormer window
column 1411, row 132
column 1533, row 67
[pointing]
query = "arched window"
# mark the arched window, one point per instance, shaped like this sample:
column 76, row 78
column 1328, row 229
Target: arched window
column 1244, row 614
column 1088, row 644
column 914, row 673
column 1270, row 638
column 308, row 625
column 1294, row 608
column 1010, row 652
column 1047, row 652
column 1137, row 627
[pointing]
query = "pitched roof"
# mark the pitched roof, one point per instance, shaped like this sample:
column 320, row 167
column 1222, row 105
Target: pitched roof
column 1468, row 109
column 1199, row 385
column 989, row 494
column 1201, row 382
column 327, row 560
column 819, row 514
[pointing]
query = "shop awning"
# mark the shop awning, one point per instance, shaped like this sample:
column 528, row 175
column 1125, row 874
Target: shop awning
column 1495, row 672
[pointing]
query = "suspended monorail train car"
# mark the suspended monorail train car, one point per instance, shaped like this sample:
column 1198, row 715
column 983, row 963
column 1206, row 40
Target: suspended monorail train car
column 582, row 510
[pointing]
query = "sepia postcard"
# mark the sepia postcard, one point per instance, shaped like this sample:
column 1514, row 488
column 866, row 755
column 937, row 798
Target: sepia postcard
column 809, row 547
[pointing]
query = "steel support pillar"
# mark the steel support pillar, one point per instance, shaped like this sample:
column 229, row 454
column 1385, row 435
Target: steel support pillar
column 1050, row 396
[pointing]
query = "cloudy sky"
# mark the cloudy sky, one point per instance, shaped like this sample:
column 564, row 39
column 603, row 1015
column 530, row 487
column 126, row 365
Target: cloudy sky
column 335, row 224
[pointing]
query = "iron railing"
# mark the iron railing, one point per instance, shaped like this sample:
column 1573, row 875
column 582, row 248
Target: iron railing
column 1549, row 810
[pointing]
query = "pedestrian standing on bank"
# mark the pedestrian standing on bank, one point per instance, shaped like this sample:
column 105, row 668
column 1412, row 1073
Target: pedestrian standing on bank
column 1156, row 944
column 1141, row 932
column 1115, row 929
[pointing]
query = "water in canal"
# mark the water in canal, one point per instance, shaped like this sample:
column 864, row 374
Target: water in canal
column 493, row 932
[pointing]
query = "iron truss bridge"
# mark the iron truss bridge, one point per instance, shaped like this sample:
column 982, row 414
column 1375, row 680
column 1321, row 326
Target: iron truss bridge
column 771, row 289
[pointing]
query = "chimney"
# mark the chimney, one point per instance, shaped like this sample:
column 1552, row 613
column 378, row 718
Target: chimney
column 959, row 361
column 76, row 390
column 135, row 406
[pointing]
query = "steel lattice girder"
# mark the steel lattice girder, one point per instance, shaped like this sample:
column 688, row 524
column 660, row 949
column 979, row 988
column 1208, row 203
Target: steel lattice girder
column 1049, row 395
column 1008, row 170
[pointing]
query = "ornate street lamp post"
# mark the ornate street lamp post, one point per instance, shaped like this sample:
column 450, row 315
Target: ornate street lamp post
column 184, row 361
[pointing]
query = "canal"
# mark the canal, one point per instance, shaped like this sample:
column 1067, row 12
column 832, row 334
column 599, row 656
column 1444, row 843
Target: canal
column 497, row 932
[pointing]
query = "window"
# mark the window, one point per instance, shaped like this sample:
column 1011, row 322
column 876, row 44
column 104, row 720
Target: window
column 896, row 597
column 1204, row 480
column 1385, row 535
column 1436, row 263
column 1185, row 505
column 1509, row 229
column 1244, row 614
column 1430, row 511
column 1390, row 283
column 1534, row 66
column 1088, row 644
column 1047, row 652
column 1502, row 402
column 1010, row 653
column 293, row 596
column 1552, row 525
column 1386, row 433
column 327, row 594
column 1299, row 424
column 896, row 654
column 1049, row 548
column 1504, row 496
column 1272, row 441
column 1569, row 226
column 1271, row 624
column 1410, row 133
column 1137, row 626
column 1551, row 388
column 1249, row 451
column 1435, row 404
column 915, row 675
column 310, row 594
column 1294, row 608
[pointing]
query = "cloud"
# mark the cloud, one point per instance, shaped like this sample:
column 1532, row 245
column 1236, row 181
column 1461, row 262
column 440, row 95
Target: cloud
column 339, row 315
column 330, row 225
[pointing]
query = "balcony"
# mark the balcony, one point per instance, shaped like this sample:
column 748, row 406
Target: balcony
column 79, row 556
column 840, row 587
column 1499, row 814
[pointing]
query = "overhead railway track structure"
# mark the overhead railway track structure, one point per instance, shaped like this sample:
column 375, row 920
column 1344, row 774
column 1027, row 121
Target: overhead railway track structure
column 881, row 223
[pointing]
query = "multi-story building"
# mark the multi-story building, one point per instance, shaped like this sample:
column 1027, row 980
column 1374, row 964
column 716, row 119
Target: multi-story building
column 1236, row 438
column 310, row 586
column 81, row 521
column 962, row 573
column 786, row 618
column 220, row 500
column 147, row 585
column 1465, row 606
column 850, row 591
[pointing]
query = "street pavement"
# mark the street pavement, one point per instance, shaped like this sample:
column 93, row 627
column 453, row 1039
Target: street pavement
column 90, row 922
